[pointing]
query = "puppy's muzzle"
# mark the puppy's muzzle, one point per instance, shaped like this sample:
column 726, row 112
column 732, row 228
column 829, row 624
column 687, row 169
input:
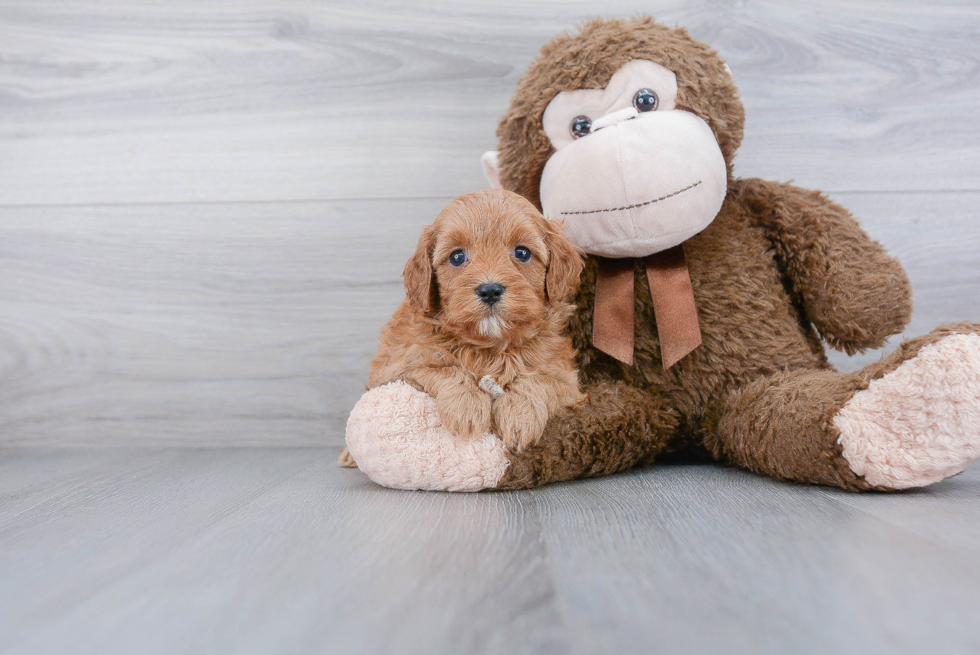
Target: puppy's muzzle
column 489, row 293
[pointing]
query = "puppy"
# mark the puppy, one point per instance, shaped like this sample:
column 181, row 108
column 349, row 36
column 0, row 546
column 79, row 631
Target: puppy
column 481, row 327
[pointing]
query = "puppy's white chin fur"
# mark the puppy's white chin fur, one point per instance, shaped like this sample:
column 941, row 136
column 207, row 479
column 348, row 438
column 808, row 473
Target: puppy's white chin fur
column 492, row 327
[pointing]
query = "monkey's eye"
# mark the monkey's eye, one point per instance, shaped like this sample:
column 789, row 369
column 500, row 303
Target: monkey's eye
column 645, row 100
column 457, row 258
column 522, row 254
column 581, row 125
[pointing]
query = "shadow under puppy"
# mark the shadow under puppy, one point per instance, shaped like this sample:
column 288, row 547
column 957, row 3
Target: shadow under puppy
column 481, row 328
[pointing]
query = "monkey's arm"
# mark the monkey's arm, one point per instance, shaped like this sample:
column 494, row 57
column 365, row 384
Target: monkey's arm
column 853, row 292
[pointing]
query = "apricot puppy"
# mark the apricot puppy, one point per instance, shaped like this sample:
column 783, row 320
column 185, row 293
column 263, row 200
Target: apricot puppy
column 481, row 327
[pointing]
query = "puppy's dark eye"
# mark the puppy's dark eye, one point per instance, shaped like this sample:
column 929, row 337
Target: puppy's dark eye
column 522, row 254
column 645, row 100
column 581, row 125
column 457, row 258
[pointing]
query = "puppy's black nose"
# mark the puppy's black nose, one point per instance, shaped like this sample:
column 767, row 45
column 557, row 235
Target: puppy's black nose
column 490, row 292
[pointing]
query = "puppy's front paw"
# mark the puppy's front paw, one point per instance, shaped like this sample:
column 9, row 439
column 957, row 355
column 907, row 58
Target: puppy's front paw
column 518, row 421
column 464, row 412
column 346, row 459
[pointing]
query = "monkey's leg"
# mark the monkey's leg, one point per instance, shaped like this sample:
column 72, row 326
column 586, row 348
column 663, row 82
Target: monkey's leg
column 397, row 438
column 906, row 421
column 616, row 428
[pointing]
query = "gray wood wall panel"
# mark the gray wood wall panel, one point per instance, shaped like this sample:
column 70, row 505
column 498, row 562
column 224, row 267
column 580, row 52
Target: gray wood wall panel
column 223, row 324
column 254, row 323
column 205, row 208
column 182, row 102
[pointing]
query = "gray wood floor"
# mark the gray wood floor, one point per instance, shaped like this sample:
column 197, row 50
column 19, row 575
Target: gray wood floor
column 280, row 551
column 204, row 212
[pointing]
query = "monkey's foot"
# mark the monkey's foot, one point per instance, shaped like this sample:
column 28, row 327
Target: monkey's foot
column 920, row 423
column 395, row 435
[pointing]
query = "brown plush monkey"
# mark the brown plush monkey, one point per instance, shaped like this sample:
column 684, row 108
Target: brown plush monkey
column 701, row 308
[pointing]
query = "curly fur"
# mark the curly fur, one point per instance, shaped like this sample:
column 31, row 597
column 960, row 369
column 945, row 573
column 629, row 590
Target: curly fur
column 444, row 340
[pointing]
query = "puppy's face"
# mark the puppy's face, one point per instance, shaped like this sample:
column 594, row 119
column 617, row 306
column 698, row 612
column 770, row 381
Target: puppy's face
column 491, row 268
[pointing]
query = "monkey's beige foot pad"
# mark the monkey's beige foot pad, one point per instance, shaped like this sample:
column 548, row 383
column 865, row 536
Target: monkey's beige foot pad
column 397, row 438
column 920, row 423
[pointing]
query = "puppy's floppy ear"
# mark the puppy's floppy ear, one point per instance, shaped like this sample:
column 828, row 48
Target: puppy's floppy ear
column 420, row 279
column 565, row 263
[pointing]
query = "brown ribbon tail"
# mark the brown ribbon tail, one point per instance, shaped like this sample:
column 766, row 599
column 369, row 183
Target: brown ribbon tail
column 673, row 304
column 612, row 319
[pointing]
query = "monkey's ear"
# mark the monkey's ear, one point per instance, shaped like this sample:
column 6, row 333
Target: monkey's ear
column 420, row 279
column 489, row 160
column 565, row 264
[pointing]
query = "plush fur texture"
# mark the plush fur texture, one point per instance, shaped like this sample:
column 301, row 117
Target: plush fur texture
column 920, row 423
column 397, row 438
column 444, row 339
column 779, row 268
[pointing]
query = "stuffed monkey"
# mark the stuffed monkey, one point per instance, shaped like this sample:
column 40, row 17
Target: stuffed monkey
column 703, row 302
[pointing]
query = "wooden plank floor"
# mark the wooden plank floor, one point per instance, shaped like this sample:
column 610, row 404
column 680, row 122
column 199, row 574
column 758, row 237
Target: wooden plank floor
column 280, row 551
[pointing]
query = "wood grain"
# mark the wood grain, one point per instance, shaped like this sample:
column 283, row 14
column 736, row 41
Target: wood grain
column 235, row 324
column 697, row 560
column 303, row 100
column 279, row 550
column 254, row 323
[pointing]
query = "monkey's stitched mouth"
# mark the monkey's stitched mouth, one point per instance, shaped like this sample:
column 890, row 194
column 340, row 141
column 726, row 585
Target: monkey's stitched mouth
column 639, row 204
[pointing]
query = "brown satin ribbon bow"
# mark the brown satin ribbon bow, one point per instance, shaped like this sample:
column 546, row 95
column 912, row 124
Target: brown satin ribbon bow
column 673, row 306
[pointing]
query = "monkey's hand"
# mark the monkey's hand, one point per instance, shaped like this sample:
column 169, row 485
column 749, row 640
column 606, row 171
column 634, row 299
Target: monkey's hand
column 855, row 294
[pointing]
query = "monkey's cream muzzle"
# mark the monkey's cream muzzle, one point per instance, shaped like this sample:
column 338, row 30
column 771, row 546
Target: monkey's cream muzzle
column 632, row 184
column 638, row 184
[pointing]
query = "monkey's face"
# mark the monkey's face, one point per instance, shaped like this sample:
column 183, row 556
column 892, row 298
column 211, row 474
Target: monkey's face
column 631, row 174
